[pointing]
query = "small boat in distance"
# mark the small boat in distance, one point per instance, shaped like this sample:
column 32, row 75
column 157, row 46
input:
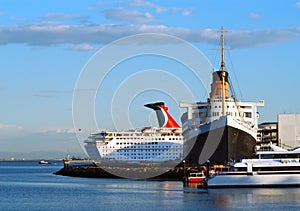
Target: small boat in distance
column 44, row 162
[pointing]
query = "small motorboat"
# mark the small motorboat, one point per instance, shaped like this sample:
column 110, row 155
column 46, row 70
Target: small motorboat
column 196, row 177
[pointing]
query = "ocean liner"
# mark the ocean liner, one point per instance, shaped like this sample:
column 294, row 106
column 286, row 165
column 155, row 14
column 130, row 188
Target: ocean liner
column 150, row 144
column 222, row 129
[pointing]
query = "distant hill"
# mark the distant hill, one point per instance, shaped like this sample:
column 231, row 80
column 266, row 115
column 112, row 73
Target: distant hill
column 38, row 155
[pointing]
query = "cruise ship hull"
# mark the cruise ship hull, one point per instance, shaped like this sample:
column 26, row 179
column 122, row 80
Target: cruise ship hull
column 219, row 145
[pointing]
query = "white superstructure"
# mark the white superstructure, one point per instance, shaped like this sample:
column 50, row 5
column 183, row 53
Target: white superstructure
column 243, row 115
column 149, row 144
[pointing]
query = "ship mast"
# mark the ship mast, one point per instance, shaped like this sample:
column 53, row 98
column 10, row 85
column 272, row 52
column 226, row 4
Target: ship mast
column 223, row 72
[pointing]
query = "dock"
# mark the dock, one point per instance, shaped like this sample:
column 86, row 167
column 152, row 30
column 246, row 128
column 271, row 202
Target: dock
column 87, row 168
column 78, row 162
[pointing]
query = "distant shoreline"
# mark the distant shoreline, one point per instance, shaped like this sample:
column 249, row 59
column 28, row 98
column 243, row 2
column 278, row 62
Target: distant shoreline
column 33, row 160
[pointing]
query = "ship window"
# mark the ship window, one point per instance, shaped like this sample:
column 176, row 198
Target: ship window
column 248, row 114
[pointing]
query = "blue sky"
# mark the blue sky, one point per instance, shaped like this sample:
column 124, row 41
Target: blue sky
column 44, row 46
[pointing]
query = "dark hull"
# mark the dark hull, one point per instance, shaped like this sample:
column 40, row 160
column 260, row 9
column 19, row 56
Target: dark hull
column 231, row 144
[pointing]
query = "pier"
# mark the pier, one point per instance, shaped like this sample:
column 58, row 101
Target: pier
column 78, row 162
column 86, row 168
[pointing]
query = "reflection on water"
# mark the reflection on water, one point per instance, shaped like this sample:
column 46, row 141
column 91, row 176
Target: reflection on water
column 244, row 198
column 30, row 186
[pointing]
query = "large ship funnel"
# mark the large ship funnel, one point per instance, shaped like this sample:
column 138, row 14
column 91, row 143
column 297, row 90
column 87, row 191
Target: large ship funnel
column 216, row 86
column 164, row 118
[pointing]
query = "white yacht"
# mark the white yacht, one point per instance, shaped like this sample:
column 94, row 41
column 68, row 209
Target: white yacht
column 278, row 168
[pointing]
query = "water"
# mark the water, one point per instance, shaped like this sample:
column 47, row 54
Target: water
column 30, row 186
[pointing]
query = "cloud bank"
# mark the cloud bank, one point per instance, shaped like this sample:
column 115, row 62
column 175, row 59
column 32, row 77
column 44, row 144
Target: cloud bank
column 80, row 37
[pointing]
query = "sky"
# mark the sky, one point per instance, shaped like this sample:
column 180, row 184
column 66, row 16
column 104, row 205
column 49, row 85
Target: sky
column 45, row 46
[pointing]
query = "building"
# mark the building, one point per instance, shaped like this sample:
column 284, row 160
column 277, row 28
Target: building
column 289, row 130
column 284, row 133
column 267, row 132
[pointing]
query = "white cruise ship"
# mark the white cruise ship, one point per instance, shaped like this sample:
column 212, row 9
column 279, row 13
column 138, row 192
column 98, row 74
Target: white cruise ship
column 149, row 144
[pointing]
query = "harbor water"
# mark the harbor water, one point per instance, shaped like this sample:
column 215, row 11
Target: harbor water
column 30, row 186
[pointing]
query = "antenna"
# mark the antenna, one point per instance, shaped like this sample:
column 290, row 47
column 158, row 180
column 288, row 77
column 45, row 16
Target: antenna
column 223, row 75
column 223, row 71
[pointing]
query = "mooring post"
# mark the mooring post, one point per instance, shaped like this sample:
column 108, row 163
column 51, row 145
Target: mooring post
column 207, row 168
column 185, row 181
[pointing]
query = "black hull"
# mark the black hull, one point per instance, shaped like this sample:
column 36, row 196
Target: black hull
column 231, row 144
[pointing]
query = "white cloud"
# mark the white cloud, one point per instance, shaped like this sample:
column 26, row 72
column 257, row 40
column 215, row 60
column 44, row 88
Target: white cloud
column 58, row 141
column 51, row 94
column 65, row 130
column 10, row 126
column 260, row 37
column 254, row 16
column 81, row 36
column 63, row 16
column 184, row 12
column 57, row 130
column 159, row 9
column 297, row 4
column 10, row 130
column 58, row 16
column 132, row 16
column 141, row 3
column 81, row 47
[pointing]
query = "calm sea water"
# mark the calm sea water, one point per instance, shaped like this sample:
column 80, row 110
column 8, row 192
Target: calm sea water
column 30, row 186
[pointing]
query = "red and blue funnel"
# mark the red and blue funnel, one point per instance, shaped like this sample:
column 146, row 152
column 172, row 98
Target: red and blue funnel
column 165, row 120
